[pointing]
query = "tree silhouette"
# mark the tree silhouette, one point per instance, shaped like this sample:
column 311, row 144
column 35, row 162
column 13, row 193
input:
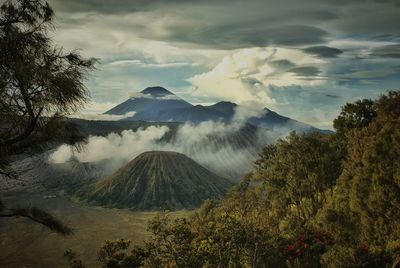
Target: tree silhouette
column 39, row 84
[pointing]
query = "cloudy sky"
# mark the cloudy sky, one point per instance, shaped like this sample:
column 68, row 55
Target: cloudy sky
column 303, row 58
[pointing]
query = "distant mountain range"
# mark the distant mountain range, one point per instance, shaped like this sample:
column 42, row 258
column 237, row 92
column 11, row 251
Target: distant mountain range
column 157, row 180
column 228, row 153
column 157, row 104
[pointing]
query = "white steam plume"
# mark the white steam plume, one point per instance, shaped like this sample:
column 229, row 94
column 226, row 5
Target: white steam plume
column 114, row 147
column 215, row 145
column 248, row 109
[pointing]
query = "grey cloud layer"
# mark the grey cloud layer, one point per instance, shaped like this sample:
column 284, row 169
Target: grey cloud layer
column 305, row 71
column 236, row 24
column 389, row 51
column 323, row 51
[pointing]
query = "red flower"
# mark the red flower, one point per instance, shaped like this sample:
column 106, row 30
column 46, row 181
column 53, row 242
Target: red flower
column 363, row 248
column 289, row 248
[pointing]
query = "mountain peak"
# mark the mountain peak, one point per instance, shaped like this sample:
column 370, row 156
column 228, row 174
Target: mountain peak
column 226, row 107
column 225, row 103
column 159, row 180
column 156, row 91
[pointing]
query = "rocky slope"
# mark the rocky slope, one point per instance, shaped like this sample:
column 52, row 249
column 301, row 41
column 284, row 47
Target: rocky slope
column 158, row 180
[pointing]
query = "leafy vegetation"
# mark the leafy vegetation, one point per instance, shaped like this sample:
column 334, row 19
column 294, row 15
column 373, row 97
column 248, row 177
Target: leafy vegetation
column 312, row 201
column 39, row 84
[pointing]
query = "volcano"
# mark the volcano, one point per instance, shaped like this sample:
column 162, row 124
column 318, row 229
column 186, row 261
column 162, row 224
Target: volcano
column 157, row 104
column 149, row 104
column 158, row 180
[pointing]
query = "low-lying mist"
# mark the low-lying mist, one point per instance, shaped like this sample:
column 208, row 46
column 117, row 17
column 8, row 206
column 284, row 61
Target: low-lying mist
column 228, row 149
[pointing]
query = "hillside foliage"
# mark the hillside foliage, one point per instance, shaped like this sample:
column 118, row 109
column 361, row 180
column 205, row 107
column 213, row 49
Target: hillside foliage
column 312, row 201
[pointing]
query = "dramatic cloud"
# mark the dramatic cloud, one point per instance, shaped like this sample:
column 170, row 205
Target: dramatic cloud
column 261, row 23
column 305, row 71
column 245, row 75
column 213, row 20
column 241, row 37
column 390, row 51
column 323, row 51
column 281, row 65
